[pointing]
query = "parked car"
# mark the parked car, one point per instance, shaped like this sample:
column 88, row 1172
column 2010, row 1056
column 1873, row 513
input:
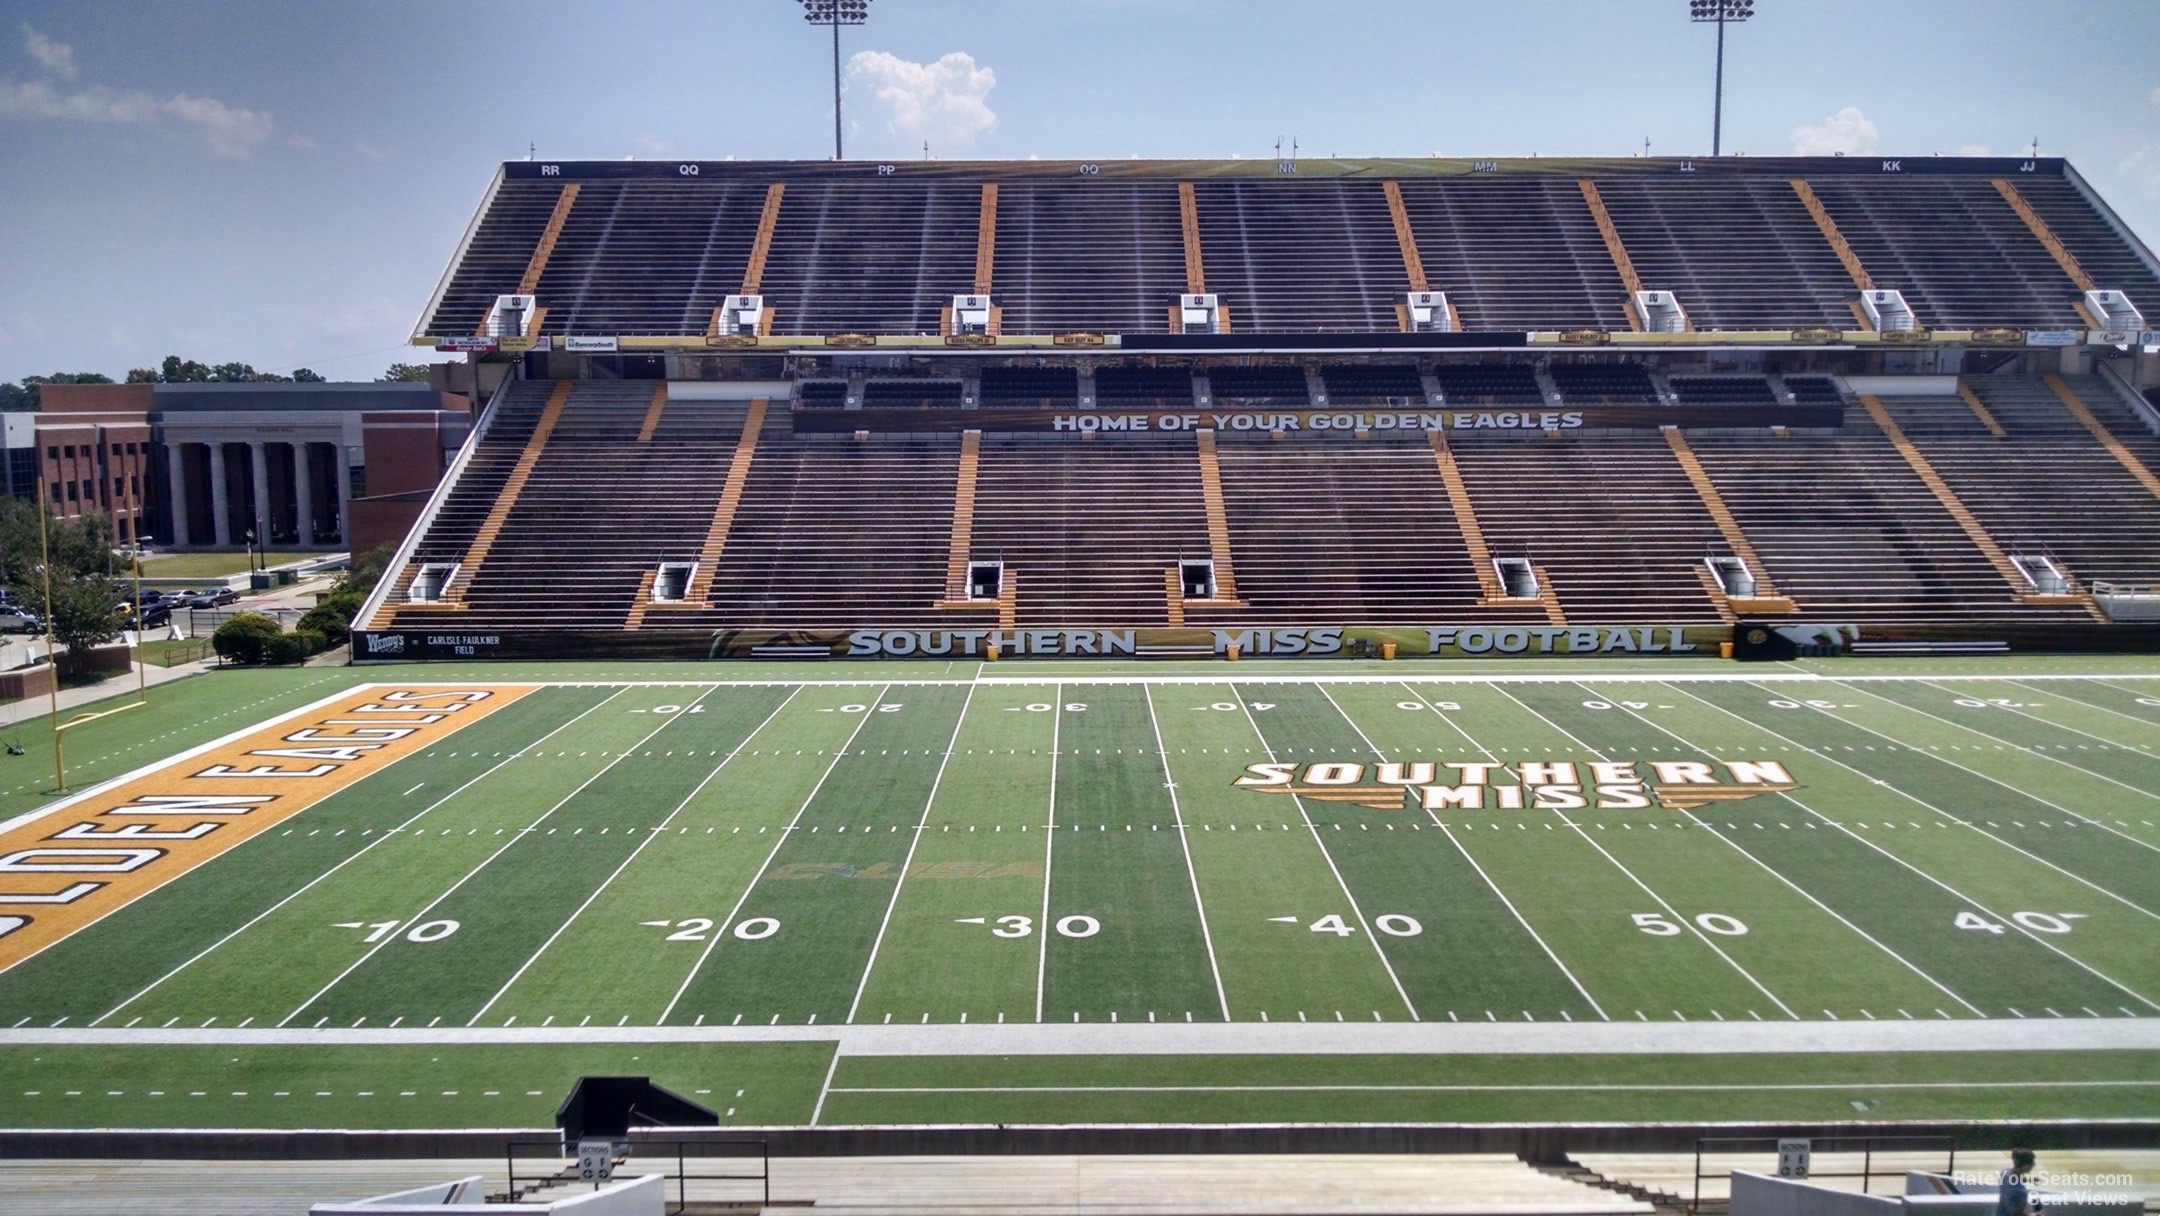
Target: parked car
column 14, row 618
column 152, row 614
column 208, row 597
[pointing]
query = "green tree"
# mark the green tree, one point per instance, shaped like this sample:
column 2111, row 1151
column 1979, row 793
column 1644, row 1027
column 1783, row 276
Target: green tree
column 24, row 396
column 307, row 375
column 83, row 614
column 406, row 373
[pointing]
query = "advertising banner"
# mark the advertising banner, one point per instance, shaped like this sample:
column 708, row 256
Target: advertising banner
column 1348, row 420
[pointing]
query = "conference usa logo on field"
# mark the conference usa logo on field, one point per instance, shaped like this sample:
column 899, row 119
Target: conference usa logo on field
column 1536, row 785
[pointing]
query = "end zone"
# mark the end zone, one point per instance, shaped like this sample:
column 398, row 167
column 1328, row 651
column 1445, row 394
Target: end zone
column 71, row 864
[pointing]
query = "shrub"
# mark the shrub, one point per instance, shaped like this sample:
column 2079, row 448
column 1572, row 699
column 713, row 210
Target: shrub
column 332, row 618
column 245, row 637
column 284, row 648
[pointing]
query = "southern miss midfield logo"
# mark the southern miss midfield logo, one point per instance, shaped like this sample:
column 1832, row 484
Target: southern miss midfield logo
column 1555, row 785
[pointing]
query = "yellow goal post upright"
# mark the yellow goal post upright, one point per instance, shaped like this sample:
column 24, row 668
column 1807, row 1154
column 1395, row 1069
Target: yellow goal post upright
column 52, row 657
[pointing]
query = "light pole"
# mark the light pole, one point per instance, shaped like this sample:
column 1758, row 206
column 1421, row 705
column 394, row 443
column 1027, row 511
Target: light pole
column 836, row 13
column 1720, row 12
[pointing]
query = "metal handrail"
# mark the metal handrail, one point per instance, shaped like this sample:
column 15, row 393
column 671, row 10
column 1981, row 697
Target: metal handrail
column 1868, row 1145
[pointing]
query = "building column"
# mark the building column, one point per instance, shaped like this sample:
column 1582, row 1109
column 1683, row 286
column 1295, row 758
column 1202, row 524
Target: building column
column 176, row 475
column 344, row 494
column 259, row 460
column 220, row 503
column 303, row 494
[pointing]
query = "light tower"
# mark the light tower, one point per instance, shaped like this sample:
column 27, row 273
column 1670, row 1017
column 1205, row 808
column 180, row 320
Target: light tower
column 836, row 13
column 1720, row 12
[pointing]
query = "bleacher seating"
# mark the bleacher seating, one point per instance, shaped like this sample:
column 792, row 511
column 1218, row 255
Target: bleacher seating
column 1962, row 257
column 1089, row 529
column 916, row 392
column 2069, row 214
column 649, row 257
column 1737, row 252
column 1047, row 386
column 2049, row 487
column 1301, row 255
column 1603, row 383
column 495, row 453
column 1349, row 532
column 821, row 394
column 493, row 261
column 1722, row 390
column 1162, row 387
column 1514, row 253
column 832, row 534
column 1267, row 384
column 1813, row 390
column 1356, row 383
column 871, row 256
column 1846, row 528
column 1612, row 520
column 599, row 512
column 1489, row 384
column 1102, row 256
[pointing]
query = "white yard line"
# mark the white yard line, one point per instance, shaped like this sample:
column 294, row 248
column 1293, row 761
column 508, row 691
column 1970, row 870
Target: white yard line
column 1505, row 902
column 507, row 845
column 782, row 839
column 388, row 835
column 915, row 840
column 1328, row 857
column 1683, row 921
column 2081, row 964
column 649, row 838
column 2147, row 723
column 1796, row 887
column 1177, row 820
column 826, row 1087
column 2140, row 791
column 1704, row 671
column 1042, row 925
column 1900, row 744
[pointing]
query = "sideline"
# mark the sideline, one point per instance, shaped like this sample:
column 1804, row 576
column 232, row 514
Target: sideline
column 1219, row 1038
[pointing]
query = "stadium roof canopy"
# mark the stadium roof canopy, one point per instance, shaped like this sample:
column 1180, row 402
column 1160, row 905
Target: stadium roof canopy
column 625, row 255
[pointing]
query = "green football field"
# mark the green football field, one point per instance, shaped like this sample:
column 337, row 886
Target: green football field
column 1092, row 892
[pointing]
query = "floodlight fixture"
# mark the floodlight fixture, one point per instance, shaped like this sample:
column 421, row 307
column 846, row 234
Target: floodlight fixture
column 1719, row 12
column 836, row 13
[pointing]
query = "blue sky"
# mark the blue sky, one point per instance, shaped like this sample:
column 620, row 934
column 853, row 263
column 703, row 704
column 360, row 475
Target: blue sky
column 282, row 182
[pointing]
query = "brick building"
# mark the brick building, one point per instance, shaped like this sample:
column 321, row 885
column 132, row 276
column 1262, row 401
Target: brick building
column 196, row 466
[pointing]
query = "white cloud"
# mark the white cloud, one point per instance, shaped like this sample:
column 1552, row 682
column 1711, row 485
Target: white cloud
column 1975, row 150
column 1847, row 131
column 371, row 152
column 55, row 57
column 944, row 101
column 229, row 130
column 2142, row 167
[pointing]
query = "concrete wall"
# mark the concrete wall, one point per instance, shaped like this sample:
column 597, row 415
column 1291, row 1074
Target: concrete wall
column 26, row 682
column 1763, row 1195
column 645, row 1196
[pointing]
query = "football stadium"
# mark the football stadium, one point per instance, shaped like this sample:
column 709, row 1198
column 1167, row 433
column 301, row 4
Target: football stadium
column 1583, row 675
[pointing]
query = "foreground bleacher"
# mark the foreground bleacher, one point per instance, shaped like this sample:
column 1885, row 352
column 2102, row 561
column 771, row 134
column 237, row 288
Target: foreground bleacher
column 1467, row 1184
